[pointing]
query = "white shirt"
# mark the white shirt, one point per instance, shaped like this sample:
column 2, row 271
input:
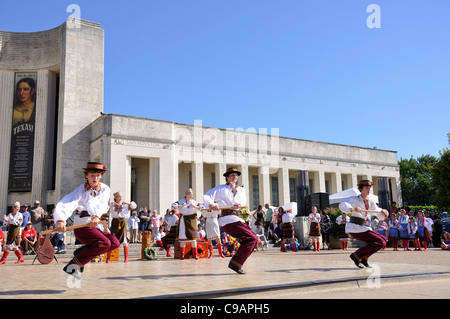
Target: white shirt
column 340, row 219
column 16, row 219
column 80, row 199
column 355, row 202
column 171, row 220
column 120, row 211
column 288, row 217
column 190, row 209
column 426, row 222
column 133, row 222
column 429, row 224
column 224, row 197
column 314, row 217
column 201, row 233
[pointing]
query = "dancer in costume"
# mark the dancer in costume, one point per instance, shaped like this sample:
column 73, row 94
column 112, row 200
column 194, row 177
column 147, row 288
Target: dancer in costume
column 232, row 196
column 412, row 232
column 287, row 220
column 403, row 229
column 423, row 224
column 13, row 222
column 314, row 228
column 213, row 231
column 91, row 200
column 394, row 233
column 358, row 206
column 380, row 227
column 344, row 238
column 172, row 230
column 187, row 225
column 120, row 212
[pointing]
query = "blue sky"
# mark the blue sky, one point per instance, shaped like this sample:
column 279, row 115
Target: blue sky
column 313, row 69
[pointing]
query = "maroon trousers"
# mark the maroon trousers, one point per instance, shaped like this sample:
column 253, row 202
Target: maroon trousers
column 374, row 241
column 247, row 240
column 95, row 243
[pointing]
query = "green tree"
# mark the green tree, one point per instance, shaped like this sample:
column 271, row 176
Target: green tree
column 441, row 180
column 415, row 179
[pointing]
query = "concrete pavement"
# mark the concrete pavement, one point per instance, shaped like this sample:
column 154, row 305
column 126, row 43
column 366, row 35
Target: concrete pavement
column 268, row 273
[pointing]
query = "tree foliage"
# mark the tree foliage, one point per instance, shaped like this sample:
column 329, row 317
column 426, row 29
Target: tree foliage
column 415, row 178
column 441, row 179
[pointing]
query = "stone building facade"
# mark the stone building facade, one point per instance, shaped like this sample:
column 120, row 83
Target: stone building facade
column 151, row 161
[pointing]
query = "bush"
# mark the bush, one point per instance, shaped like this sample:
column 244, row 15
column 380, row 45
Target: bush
column 334, row 213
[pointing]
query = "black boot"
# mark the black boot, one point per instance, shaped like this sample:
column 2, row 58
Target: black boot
column 236, row 269
column 356, row 261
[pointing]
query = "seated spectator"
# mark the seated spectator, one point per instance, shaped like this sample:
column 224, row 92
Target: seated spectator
column 159, row 235
column 261, row 237
column 201, row 234
column 59, row 243
column 297, row 245
column 445, row 241
column 29, row 240
column 277, row 236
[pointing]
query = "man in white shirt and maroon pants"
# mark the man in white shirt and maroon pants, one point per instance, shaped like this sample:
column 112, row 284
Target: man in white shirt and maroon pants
column 356, row 206
column 232, row 195
column 91, row 200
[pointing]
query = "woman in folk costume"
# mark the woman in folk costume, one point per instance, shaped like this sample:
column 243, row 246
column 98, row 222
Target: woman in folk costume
column 213, row 231
column 172, row 231
column 287, row 220
column 91, row 200
column 394, row 233
column 358, row 207
column 344, row 238
column 232, row 196
column 314, row 228
column 13, row 222
column 380, row 227
column 412, row 231
column 187, row 225
column 120, row 212
column 403, row 228
column 422, row 229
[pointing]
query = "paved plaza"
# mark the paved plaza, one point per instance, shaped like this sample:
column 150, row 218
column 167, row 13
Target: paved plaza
column 269, row 272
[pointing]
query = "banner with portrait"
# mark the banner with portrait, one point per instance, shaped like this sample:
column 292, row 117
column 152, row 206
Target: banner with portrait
column 22, row 134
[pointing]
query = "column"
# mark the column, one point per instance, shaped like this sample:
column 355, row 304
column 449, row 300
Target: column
column 397, row 190
column 220, row 168
column 154, row 185
column 319, row 182
column 6, row 109
column 354, row 180
column 38, row 180
column 244, row 180
column 264, row 185
column 166, row 179
column 283, row 185
column 369, row 177
column 336, row 179
column 197, row 179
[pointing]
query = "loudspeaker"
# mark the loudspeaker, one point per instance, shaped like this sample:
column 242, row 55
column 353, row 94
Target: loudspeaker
column 320, row 200
column 384, row 196
column 302, row 191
